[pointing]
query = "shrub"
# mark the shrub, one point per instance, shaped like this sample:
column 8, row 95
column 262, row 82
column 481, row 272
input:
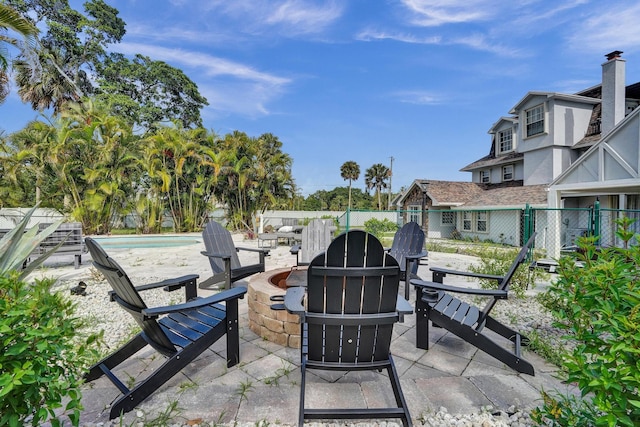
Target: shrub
column 497, row 261
column 42, row 354
column 597, row 302
column 378, row 228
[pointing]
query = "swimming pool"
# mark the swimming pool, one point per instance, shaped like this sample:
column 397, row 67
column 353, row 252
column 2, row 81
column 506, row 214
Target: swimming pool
column 146, row 241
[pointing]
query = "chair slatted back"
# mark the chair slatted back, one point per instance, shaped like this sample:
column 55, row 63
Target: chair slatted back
column 128, row 297
column 316, row 237
column 218, row 240
column 351, row 301
column 506, row 280
column 409, row 240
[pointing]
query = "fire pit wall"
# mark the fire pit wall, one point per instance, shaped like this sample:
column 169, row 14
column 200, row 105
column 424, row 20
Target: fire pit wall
column 278, row 326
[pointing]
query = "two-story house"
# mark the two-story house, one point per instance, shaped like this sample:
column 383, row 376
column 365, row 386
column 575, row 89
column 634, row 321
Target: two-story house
column 545, row 143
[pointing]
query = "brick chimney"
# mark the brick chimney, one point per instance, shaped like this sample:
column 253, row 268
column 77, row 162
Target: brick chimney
column 613, row 91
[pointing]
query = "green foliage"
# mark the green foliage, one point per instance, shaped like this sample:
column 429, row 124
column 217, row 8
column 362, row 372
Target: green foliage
column 497, row 261
column 597, row 302
column 17, row 244
column 378, row 228
column 42, row 354
column 337, row 199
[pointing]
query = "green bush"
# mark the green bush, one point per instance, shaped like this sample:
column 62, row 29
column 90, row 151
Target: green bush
column 597, row 302
column 497, row 261
column 42, row 353
column 378, row 228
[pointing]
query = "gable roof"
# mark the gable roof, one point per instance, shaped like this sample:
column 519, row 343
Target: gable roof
column 509, row 197
column 554, row 95
column 470, row 195
column 491, row 160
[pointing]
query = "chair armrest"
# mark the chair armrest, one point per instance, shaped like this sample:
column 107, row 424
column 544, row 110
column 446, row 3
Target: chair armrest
column 295, row 249
column 170, row 285
column 445, row 271
column 403, row 306
column 293, row 300
column 230, row 294
column 212, row 255
column 496, row 293
column 262, row 250
column 417, row 256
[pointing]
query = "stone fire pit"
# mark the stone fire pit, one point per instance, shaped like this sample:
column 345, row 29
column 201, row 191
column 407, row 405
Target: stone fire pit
column 277, row 326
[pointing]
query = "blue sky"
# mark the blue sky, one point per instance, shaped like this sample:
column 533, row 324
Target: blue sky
column 366, row 80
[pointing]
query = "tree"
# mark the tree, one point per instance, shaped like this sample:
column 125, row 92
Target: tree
column 69, row 50
column 148, row 92
column 10, row 19
column 350, row 171
column 376, row 177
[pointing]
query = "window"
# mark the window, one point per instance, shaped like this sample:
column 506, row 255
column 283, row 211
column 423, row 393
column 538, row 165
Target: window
column 448, row 218
column 505, row 140
column 485, row 177
column 415, row 213
column 507, row 173
column 535, row 120
column 475, row 222
column 481, row 221
column 467, row 221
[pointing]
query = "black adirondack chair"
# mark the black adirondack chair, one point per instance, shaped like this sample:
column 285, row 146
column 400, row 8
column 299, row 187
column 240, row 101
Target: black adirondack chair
column 434, row 302
column 223, row 257
column 179, row 332
column 408, row 249
column 352, row 304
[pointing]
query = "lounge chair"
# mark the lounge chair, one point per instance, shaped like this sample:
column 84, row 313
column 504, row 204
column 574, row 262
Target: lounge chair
column 223, row 257
column 316, row 237
column 434, row 302
column 352, row 303
column 408, row 249
column 179, row 332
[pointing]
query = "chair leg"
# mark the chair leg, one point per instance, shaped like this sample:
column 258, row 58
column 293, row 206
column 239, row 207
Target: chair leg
column 116, row 358
column 422, row 321
column 397, row 392
column 484, row 343
column 233, row 334
column 303, row 369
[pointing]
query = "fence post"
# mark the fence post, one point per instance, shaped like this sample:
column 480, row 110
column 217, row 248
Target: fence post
column 596, row 221
column 526, row 232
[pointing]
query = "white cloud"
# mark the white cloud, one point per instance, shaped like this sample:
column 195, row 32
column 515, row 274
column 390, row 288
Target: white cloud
column 417, row 97
column 206, row 64
column 433, row 13
column 368, row 35
column 608, row 28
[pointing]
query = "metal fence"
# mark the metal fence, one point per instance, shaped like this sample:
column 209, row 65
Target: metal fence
column 557, row 229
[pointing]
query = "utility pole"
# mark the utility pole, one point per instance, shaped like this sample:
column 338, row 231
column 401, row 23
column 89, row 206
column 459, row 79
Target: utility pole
column 390, row 176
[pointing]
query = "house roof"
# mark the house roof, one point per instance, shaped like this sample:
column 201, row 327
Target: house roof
column 465, row 195
column 556, row 95
column 513, row 196
column 510, row 120
column 491, row 160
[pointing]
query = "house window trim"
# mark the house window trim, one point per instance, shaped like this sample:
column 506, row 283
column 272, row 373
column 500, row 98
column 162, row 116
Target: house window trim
column 513, row 171
column 451, row 222
column 473, row 218
column 501, row 141
column 414, row 210
column 543, row 120
column 488, row 176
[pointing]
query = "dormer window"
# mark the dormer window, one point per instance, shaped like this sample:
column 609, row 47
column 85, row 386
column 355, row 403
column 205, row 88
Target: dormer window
column 505, row 140
column 507, row 173
column 535, row 120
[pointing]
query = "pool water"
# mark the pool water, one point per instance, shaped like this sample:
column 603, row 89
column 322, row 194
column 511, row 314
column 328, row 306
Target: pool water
column 130, row 242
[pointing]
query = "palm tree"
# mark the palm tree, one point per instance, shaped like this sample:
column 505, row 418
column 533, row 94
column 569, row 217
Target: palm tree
column 375, row 177
column 10, row 19
column 350, row 171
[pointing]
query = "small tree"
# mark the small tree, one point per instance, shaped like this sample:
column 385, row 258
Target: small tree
column 350, row 171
